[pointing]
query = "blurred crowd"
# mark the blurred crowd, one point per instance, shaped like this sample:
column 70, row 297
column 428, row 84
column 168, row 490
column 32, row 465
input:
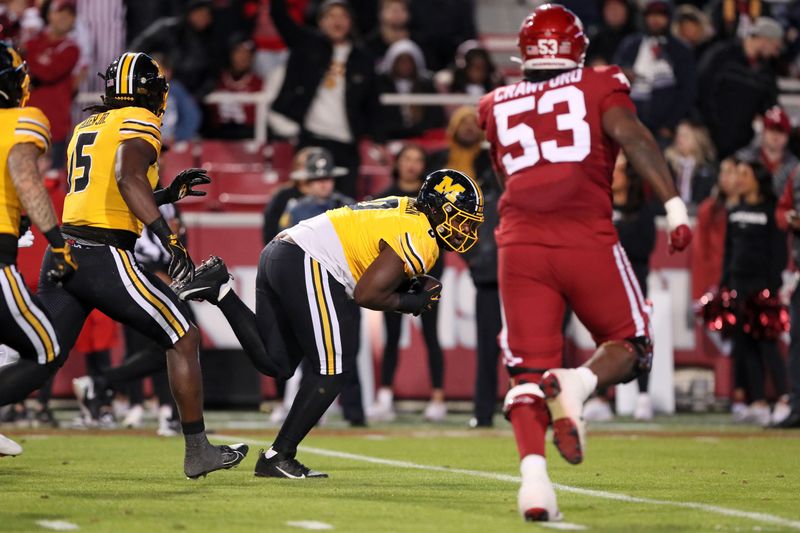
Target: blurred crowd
column 704, row 78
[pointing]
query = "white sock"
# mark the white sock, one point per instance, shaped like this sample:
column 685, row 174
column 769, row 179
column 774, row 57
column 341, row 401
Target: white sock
column 270, row 453
column 533, row 466
column 588, row 378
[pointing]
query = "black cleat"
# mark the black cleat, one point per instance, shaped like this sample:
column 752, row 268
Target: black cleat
column 231, row 457
column 282, row 466
column 209, row 279
column 791, row 422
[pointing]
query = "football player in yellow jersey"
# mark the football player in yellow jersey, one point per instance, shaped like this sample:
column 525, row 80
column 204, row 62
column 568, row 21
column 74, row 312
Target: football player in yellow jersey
column 313, row 277
column 25, row 325
column 112, row 170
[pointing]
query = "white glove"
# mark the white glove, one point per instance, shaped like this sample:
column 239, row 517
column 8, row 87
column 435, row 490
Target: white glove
column 26, row 240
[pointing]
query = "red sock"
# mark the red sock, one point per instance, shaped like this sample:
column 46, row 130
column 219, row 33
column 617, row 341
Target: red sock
column 530, row 421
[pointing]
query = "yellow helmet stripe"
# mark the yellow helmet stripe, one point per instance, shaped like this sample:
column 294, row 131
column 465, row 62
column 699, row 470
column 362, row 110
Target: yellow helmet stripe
column 16, row 59
column 122, row 74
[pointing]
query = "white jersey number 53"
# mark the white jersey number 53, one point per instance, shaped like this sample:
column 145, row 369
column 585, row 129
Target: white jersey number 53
column 523, row 134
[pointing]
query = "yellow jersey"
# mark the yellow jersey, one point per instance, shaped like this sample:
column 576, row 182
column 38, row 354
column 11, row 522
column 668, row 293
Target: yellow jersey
column 17, row 125
column 346, row 241
column 93, row 198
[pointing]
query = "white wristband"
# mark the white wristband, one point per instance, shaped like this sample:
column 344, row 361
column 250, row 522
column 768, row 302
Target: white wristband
column 676, row 213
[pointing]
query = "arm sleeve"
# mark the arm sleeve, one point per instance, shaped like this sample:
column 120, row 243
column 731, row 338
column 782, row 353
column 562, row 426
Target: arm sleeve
column 686, row 78
column 291, row 32
column 140, row 123
column 726, row 258
column 32, row 127
column 189, row 115
column 785, row 203
column 59, row 66
column 778, row 258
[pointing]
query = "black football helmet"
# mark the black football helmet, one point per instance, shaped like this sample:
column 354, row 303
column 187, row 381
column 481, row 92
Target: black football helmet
column 14, row 79
column 136, row 80
column 453, row 203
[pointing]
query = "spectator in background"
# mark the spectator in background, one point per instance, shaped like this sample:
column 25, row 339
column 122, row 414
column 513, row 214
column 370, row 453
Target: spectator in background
column 755, row 256
column 12, row 14
column 182, row 118
column 692, row 161
column 661, row 71
column 403, row 72
column 276, row 213
column 708, row 244
column 408, row 174
column 140, row 14
column 735, row 18
column 188, row 41
column 737, row 82
column 787, row 217
column 235, row 120
column 619, row 21
column 52, row 57
column 393, row 27
column 482, row 263
column 465, row 151
column 693, row 28
column 271, row 51
column 474, row 73
column 440, row 26
column 329, row 87
column 772, row 149
column 103, row 32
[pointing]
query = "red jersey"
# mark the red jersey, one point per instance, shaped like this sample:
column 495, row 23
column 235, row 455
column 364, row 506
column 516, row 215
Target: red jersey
column 548, row 139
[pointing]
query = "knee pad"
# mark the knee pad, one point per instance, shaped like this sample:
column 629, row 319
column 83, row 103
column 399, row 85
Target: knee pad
column 642, row 347
column 524, row 394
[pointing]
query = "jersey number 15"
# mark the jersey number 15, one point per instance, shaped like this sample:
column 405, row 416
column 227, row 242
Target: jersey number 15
column 522, row 134
column 80, row 164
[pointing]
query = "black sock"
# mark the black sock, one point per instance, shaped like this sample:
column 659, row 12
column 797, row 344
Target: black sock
column 244, row 325
column 19, row 379
column 316, row 394
column 141, row 365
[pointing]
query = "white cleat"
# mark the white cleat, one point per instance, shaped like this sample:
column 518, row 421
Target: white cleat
column 383, row 408
column 133, row 419
column 758, row 415
column 597, row 410
column 565, row 391
column 644, row 408
column 9, row 447
column 536, row 500
column 435, row 412
column 780, row 412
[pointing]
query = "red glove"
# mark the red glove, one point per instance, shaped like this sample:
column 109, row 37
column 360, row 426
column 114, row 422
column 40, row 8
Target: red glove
column 680, row 238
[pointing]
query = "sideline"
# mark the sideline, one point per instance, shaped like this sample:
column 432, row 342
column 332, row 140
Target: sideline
column 714, row 509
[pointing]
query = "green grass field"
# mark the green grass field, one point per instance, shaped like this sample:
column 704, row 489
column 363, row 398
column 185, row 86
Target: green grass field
column 694, row 474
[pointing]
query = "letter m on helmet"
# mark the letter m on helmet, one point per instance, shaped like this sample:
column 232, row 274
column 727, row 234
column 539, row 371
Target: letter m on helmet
column 449, row 189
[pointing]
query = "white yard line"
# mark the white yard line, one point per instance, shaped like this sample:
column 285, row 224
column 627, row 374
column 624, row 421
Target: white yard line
column 714, row 509
column 57, row 525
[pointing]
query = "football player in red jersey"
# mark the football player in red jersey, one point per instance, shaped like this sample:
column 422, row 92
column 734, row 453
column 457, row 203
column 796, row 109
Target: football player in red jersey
column 554, row 138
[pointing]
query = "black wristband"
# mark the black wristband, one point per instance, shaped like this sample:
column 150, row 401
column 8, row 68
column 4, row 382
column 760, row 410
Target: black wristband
column 54, row 237
column 161, row 196
column 161, row 229
column 410, row 303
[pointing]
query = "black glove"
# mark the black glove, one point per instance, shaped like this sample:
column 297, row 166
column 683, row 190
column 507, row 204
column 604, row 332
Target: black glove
column 181, row 186
column 64, row 265
column 423, row 295
column 181, row 267
column 24, row 224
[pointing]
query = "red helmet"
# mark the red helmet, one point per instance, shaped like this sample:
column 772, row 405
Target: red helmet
column 552, row 38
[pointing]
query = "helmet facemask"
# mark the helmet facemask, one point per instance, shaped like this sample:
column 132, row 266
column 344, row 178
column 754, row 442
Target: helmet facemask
column 459, row 229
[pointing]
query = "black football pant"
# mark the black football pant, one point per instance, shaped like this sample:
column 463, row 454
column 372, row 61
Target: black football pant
column 302, row 313
column 108, row 279
column 794, row 352
column 489, row 322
